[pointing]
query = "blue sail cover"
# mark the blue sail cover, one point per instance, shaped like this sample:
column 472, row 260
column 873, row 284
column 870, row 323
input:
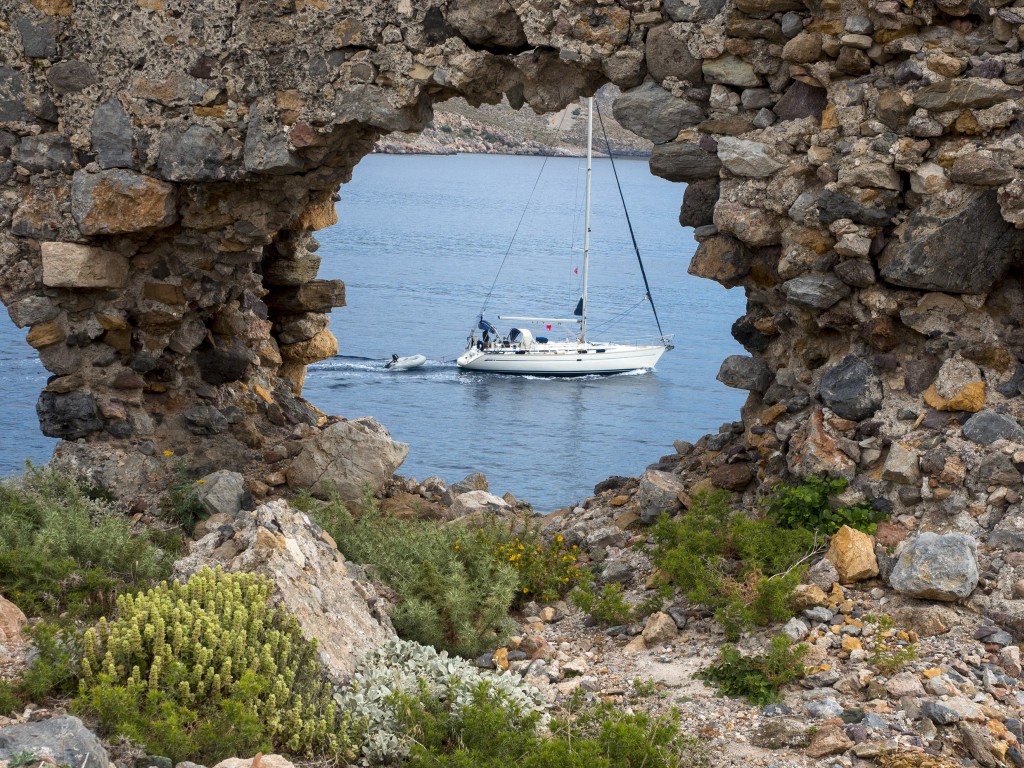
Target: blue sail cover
column 483, row 325
column 578, row 312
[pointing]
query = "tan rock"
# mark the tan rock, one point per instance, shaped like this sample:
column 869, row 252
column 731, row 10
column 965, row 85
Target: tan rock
column 71, row 265
column 660, row 628
column 851, row 643
column 119, row 200
column 45, row 334
column 808, row 596
column 548, row 614
column 830, row 740
column 265, row 761
column 320, row 347
column 852, row 553
column 320, row 215
column 165, row 293
column 12, row 620
column 500, row 659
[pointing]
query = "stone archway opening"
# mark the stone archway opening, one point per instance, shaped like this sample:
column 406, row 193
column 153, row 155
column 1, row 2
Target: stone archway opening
column 840, row 167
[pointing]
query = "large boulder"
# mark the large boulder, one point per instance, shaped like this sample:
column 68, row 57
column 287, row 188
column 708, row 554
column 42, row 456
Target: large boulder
column 745, row 372
column 813, row 450
column 477, row 503
column 62, row 738
column 346, row 457
column 311, row 580
column 654, row 113
column 927, row 250
column 12, row 621
column 851, row 389
column 222, row 492
column 681, row 161
column 658, row 492
column 937, row 567
column 746, row 158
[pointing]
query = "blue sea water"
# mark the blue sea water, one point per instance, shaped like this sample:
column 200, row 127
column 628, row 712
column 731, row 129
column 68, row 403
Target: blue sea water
column 418, row 244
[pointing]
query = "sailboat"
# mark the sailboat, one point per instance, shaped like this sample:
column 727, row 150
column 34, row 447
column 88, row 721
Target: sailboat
column 524, row 353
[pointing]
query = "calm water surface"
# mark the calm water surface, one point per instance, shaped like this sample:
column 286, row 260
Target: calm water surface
column 418, row 245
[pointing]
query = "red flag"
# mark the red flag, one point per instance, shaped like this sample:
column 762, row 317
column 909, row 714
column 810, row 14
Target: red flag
column 548, row 326
column 575, row 270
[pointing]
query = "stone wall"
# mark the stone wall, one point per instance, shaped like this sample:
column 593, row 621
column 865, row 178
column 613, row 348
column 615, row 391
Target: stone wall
column 854, row 166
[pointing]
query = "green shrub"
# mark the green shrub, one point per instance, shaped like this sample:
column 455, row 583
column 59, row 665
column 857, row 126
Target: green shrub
column 181, row 504
column 547, row 570
column 400, row 673
column 491, row 733
column 54, row 670
column 743, row 569
column 10, row 702
column 609, row 606
column 454, row 594
column 66, row 552
column 806, row 506
column 206, row 670
column 759, row 678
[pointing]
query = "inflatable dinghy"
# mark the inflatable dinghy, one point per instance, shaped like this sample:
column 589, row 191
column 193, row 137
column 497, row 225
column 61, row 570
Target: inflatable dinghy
column 397, row 363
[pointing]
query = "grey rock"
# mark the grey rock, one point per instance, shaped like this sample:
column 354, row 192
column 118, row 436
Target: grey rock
column 347, row 456
column 824, row 709
column 606, row 536
column 32, row 310
column 731, row 70
column 205, row 420
column 939, row 713
column 818, row 615
column 981, row 170
column 45, row 152
column 68, row 415
column 474, row 481
column 654, row 113
column 485, row 660
column 818, row 291
column 855, row 273
column 901, row 465
column 692, row 10
column 198, row 153
column 112, row 135
column 823, row 575
column 744, row 372
column 477, row 503
column 64, row 738
column 851, row 389
column 658, row 492
column 266, row 148
column 965, row 93
column 680, row 161
column 12, row 96
column 986, row 427
column 698, row 206
column 222, row 492
column 908, row 72
column 937, row 567
column 488, row 22
column 764, row 118
column 616, row 572
column 756, row 98
column 998, row 469
column 38, row 36
column 746, row 158
column 833, row 206
column 795, row 629
column 71, row 76
column 859, row 25
column 1014, row 385
column 792, row 24
column 153, row 761
column 799, row 101
column 678, row 614
column 668, row 55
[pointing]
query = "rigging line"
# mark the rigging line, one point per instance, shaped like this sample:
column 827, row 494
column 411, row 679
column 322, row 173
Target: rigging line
column 526, row 208
column 512, row 241
column 629, row 224
column 608, row 323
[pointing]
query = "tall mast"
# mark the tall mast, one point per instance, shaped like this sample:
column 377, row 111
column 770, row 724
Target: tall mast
column 586, row 220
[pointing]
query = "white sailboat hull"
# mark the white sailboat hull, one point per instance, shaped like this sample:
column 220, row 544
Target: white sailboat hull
column 563, row 359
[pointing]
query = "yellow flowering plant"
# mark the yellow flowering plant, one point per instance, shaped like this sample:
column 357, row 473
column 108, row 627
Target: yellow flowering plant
column 547, row 567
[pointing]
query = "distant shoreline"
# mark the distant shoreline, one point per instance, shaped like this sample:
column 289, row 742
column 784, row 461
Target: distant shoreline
column 634, row 155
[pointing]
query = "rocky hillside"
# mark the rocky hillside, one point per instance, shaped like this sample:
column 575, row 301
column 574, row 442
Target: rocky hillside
column 499, row 129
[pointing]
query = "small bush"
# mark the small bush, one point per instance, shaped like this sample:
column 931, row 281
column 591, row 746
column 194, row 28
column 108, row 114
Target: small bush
column 743, row 569
column 10, row 702
column 759, row 678
column 181, row 504
column 54, row 670
column 609, row 606
column 490, row 733
column 206, row 670
column 401, row 677
column 454, row 593
column 806, row 506
column 547, row 570
column 66, row 552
